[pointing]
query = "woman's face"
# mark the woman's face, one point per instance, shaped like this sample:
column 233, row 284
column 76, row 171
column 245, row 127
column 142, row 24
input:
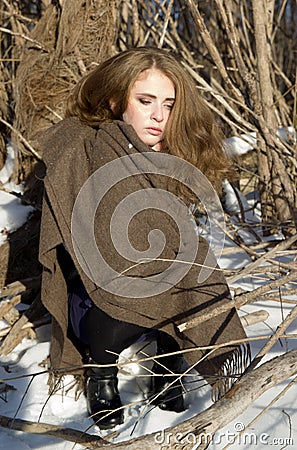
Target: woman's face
column 149, row 104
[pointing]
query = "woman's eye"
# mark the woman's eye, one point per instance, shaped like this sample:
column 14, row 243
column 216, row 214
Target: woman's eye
column 144, row 101
column 169, row 106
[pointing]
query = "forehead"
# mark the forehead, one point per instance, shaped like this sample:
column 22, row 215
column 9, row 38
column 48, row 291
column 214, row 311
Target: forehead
column 153, row 79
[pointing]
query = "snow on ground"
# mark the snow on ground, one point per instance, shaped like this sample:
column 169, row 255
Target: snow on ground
column 12, row 213
column 23, row 370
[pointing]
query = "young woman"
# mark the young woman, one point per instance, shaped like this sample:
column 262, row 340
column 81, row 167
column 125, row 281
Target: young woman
column 137, row 102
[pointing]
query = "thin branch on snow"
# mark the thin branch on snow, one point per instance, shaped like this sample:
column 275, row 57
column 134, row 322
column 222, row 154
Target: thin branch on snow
column 240, row 300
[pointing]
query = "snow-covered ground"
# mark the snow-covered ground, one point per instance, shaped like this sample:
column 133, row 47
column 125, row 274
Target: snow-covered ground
column 23, row 369
column 12, row 213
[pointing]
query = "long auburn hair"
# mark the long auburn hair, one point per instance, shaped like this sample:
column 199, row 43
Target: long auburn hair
column 191, row 132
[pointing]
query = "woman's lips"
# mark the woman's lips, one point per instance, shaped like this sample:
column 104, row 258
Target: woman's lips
column 154, row 131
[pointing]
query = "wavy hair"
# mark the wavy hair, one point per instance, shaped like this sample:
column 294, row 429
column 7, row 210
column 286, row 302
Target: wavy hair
column 191, row 132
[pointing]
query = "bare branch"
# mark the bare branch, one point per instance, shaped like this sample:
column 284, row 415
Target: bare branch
column 21, row 137
column 67, row 434
column 23, row 36
column 239, row 302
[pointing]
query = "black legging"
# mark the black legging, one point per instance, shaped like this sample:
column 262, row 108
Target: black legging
column 105, row 333
column 96, row 329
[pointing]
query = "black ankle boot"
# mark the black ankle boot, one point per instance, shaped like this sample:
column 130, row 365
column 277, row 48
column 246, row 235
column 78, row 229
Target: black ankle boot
column 166, row 392
column 103, row 398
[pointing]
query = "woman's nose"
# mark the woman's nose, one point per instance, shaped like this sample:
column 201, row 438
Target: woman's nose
column 157, row 113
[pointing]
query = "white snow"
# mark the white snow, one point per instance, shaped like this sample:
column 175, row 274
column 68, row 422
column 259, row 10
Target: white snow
column 23, row 369
column 12, row 213
column 239, row 145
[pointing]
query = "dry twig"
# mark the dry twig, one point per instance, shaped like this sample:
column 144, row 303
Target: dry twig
column 240, row 301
